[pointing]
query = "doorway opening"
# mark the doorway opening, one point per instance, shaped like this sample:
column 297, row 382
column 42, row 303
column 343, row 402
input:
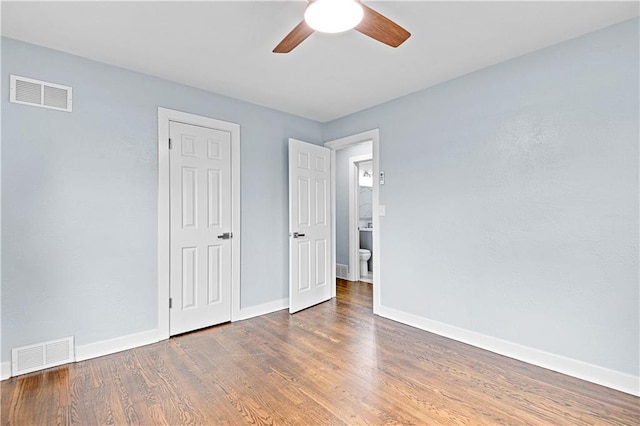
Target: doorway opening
column 199, row 250
column 346, row 237
column 361, row 215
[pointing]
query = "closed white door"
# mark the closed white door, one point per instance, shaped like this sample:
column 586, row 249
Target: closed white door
column 309, row 225
column 200, row 196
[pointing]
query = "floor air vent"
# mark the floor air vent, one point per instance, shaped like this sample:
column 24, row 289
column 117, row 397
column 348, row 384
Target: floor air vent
column 42, row 355
column 40, row 93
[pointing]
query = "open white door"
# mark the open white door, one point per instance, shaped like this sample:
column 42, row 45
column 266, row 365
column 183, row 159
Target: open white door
column 309, row 225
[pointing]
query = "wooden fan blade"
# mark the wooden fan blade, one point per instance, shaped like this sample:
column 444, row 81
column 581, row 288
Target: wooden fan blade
column 381, row 28
column 294, row 38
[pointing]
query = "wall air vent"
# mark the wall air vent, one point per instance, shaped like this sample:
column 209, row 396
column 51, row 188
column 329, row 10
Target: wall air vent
column 42, row 355
column 342, row 271
column 40, row 93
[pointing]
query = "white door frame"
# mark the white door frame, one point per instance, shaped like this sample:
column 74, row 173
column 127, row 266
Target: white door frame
column 164, row 117
column 354, row 217
column 374, row 136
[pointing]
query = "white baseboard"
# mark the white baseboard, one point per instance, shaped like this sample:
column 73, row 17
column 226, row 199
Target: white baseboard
column 118, row 344
column 266, row 308
column 5, row 370
column 592, row 373
column 102, row 348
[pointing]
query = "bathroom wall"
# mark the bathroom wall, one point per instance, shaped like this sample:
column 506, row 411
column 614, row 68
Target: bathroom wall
column 365, row 193
column 365, row 205
column 515, row 190
column 342, row 197
column 79, row 198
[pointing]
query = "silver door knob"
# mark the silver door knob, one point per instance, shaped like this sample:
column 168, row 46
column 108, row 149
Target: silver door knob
column 226, row 236
column 297, row 235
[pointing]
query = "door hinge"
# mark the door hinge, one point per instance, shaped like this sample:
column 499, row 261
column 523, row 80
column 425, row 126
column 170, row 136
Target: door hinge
column 169, row 143
column 170, row 303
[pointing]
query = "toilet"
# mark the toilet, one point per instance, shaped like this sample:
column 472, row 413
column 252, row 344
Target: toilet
column 364, row 256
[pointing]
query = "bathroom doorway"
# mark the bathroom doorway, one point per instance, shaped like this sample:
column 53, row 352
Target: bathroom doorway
column 347, row 156
column 361, row 218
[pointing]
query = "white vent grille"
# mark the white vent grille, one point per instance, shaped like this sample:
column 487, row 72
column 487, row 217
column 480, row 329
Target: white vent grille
column 342, row 271
column 41, row 93
column 42, row 355
column 29, row 359
column 29, row 93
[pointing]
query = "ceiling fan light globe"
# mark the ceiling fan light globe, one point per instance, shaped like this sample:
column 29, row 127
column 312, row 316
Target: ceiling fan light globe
column 333, row 16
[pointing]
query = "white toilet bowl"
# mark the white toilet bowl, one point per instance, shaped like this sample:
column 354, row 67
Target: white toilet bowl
column 364, row 256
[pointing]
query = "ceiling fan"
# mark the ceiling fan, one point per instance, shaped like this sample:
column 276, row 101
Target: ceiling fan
column 334, row 16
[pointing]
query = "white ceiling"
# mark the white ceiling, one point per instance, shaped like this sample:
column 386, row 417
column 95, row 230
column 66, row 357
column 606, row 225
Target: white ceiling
column 225, row 47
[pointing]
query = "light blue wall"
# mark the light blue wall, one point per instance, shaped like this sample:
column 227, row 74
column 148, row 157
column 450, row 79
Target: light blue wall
column 79, row 198
column 512, row 199
column 342, row 197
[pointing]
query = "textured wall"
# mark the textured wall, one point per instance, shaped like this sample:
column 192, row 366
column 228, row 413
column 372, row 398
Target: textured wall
column 518, row 187
column 79, row 198
column 342, row 198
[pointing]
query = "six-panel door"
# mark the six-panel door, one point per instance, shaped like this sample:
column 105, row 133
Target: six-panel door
column 310, row 225
column 200, row 193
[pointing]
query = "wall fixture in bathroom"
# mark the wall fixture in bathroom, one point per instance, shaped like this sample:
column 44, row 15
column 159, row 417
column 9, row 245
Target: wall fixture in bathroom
column 365, row 174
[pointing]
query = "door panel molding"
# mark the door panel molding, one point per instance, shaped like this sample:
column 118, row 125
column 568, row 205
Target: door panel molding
column 165, row 116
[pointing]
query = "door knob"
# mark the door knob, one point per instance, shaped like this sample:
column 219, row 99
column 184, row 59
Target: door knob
column 226, row 236
column 297, row 235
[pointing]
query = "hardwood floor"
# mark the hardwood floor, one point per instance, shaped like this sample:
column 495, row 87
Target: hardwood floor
column 334, row 363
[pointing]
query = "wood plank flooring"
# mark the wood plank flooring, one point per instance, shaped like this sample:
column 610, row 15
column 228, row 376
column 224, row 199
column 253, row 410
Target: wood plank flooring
column 335, row 363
